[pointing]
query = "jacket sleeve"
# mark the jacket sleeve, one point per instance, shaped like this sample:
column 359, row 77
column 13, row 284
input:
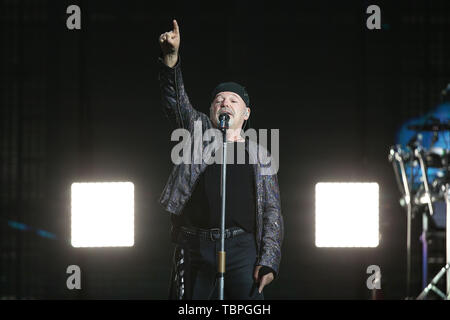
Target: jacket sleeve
column 174, row 98
column 273, row 225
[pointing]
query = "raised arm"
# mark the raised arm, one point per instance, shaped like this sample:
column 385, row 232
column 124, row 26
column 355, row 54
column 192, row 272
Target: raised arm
column 173, row 95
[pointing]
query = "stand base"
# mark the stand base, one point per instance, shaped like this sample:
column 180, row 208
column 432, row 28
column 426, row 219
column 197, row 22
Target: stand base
column 432, row 285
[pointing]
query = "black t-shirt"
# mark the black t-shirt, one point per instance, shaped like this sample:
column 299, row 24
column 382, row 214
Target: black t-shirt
column 203, row 209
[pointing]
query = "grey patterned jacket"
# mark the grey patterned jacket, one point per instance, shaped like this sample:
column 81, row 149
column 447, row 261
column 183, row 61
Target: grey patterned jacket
column 183, row 178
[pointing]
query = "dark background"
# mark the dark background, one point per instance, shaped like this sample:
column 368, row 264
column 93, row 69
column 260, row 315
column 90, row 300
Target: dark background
column 83, row 105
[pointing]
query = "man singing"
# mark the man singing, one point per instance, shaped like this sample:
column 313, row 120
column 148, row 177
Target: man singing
column 254, row 224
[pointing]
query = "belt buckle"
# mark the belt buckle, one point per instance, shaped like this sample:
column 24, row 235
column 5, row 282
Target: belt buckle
column 211, row 233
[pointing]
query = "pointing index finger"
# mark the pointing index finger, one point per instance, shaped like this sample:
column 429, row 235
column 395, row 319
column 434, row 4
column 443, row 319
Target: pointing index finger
column 176, row 29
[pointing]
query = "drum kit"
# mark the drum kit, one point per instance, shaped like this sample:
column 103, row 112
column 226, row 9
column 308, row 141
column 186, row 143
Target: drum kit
column 423, row 178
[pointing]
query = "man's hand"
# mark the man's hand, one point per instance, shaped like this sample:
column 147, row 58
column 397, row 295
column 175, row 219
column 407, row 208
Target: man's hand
column 264, row 280
column 170, row 43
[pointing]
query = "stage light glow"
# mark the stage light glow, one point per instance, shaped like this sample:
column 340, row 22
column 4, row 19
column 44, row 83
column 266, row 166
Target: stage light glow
column 347, row 214
column 102, row 214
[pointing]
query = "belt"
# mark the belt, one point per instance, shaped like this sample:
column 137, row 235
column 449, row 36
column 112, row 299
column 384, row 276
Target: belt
column 210, row 234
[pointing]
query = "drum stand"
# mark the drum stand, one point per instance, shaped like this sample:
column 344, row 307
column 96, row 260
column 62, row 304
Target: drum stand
column 396, row 155
column 445, row 270
column 418, row 152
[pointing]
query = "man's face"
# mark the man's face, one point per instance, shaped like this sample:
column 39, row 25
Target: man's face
column 232, row 104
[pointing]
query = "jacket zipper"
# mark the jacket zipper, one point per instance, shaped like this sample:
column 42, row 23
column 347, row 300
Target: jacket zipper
column 178, row 98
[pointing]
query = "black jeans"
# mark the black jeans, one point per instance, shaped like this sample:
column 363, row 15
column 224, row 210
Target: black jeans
column 195, row 269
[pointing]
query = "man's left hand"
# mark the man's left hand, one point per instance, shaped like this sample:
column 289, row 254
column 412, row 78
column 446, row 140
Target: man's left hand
column 264, row 280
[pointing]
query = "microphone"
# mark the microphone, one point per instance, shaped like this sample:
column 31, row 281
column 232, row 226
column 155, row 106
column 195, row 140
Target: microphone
column 223, row 121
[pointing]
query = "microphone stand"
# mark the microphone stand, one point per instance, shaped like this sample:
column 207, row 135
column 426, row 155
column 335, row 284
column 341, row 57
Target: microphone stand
column 223, row 126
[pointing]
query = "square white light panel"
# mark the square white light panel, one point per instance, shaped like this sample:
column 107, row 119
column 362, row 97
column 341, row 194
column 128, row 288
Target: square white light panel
column 347, row 214
column 102, row 214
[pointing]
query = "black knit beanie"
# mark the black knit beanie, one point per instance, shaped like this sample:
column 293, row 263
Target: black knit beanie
column 232, row 87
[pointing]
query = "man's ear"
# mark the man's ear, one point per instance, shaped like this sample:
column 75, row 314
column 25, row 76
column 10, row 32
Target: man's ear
column 247, row 113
